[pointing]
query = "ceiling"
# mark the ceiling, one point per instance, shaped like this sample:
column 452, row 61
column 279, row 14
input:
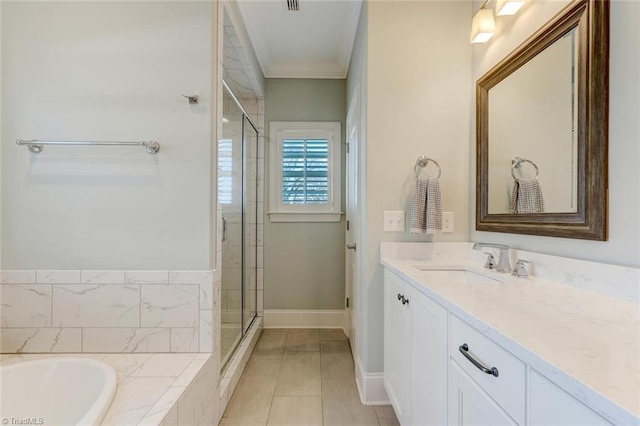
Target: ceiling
column 314, row 42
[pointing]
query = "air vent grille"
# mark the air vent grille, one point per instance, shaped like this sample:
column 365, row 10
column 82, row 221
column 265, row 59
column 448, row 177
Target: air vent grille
column 293, row 5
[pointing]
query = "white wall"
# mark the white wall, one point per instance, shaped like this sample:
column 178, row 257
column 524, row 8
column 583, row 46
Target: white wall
column 623, row 246
column 304, row 262
column 107, row 71
column 418, row 103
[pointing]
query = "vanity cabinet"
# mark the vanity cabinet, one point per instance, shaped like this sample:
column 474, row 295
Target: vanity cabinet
column 551, row 405
column 415, row 354
column 396, row 331
column 438, row 370
column 469, row 404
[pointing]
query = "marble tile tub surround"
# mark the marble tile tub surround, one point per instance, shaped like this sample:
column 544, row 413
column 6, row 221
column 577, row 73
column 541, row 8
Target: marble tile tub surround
column 156, row 389
column 621, row 282
column 583, row 340
column 108, row 311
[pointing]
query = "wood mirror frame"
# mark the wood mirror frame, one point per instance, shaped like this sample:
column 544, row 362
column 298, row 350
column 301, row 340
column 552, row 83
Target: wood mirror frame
column 590, row 220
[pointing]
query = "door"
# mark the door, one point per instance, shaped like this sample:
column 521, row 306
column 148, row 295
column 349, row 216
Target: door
column 469, row 404
column 429, row 360
column 351, row 237
column 396, row 333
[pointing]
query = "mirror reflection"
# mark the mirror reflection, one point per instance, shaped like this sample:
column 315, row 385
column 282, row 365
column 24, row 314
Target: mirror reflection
column 532, row 134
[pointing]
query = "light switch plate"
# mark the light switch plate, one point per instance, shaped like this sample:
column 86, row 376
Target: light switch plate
column 394, row 221
column 447, row 222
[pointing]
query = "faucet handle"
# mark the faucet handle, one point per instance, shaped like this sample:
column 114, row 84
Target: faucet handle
column 491, row 261
column 521, row 269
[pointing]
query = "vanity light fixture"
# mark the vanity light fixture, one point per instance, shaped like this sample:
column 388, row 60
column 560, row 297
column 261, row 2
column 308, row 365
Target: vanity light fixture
column 483, row 26
column 508, row 7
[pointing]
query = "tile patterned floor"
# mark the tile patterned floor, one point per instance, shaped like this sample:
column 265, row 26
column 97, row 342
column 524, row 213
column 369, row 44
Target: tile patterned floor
column 302, row 378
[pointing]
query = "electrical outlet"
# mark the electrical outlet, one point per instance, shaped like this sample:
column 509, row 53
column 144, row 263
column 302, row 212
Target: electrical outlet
column 394, row 221
column 447, row 222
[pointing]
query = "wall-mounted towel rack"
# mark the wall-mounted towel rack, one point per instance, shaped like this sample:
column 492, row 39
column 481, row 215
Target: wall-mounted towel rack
column 516, row 162
column 422, row 162
column 37, row 145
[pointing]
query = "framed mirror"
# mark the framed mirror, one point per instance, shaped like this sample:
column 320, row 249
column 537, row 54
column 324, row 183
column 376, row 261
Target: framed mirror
column 542, row 130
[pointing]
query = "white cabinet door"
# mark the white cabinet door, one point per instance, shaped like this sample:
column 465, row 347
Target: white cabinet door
column 550, row 405
column 469, row 404
column 396, row 327
column 429, row 359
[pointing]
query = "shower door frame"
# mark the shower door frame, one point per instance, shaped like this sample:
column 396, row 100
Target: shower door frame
column 244, row 323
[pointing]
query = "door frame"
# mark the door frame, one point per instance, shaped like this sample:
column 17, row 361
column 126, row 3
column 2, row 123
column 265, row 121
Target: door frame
column 352, row 258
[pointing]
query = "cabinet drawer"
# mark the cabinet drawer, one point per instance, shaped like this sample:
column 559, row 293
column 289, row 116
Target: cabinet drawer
column 508, row 388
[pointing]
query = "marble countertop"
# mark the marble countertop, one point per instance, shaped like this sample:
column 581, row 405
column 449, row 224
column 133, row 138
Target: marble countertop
column 587, row 343
column 149, row 385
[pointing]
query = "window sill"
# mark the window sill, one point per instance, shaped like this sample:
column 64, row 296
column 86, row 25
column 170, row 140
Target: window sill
column 304, row 217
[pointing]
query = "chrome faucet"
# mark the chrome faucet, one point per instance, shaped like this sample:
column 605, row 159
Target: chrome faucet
column 503, row 260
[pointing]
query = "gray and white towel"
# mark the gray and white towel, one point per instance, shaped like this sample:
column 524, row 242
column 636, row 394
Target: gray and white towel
column 526, row 197
column 426, row 209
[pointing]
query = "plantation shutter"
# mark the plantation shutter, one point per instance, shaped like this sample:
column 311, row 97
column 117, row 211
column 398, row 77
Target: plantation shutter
column 305, row 171
column 225, row 171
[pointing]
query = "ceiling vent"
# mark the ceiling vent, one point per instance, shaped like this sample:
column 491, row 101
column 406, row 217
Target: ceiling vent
column 293, row 5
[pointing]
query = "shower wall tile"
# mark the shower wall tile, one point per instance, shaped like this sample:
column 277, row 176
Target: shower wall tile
column 58, row 276
column 40, row 340
column 184, row 340
column 96, row 305
column 109, row 310
column 125, row 340
column 14, row 299
column 102, row 277
column 147, row 277
column 18, row 277
column 170, row 305
column 189, row 277
column 207, row 343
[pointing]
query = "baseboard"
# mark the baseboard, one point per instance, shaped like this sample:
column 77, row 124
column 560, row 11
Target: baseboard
column 370, row 386
column 294, row 318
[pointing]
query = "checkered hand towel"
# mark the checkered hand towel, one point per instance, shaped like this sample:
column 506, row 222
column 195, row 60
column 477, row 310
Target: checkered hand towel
column 426, row 210
column 526, row 197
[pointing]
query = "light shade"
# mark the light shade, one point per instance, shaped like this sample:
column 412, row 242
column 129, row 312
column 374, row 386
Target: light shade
column 483, row 26
column 508, row 7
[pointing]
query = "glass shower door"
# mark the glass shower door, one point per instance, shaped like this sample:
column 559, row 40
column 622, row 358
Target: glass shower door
column 250, row 225
column 231, row 201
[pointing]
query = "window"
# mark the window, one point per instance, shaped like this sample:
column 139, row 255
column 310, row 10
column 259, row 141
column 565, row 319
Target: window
column 305, row 172
column 225, row 171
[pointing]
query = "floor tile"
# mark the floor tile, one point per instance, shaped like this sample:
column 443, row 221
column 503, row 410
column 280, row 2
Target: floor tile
column 271, row 342
column 332, row 335
column 263, row 365
column 296, row 411
column 341, row 404
column 252, row 398
column 307, row 340
column 388, row 421
column 299, row 374
column 336, row 360
column 245, row 421
column 385, row 411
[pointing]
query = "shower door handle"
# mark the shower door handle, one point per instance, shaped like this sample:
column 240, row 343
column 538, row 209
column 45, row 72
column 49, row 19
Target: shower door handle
column 352, row 246
column 224, row 229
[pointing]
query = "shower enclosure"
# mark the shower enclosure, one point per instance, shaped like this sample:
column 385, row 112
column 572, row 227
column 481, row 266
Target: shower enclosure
column 237, row 198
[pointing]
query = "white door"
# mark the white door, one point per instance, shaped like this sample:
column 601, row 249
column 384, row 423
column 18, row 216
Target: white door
column 396, row 332
column 428, row 361
column 351, row 270
column 469, row 404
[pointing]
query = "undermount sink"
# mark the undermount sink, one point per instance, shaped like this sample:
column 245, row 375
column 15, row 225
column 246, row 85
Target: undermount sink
column 454, row 274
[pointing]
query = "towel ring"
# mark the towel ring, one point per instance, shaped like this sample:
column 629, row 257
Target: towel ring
column 422, row 162
column 516, row 162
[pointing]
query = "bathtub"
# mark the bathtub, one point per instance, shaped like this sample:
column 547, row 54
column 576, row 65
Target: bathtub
column 56, row 391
